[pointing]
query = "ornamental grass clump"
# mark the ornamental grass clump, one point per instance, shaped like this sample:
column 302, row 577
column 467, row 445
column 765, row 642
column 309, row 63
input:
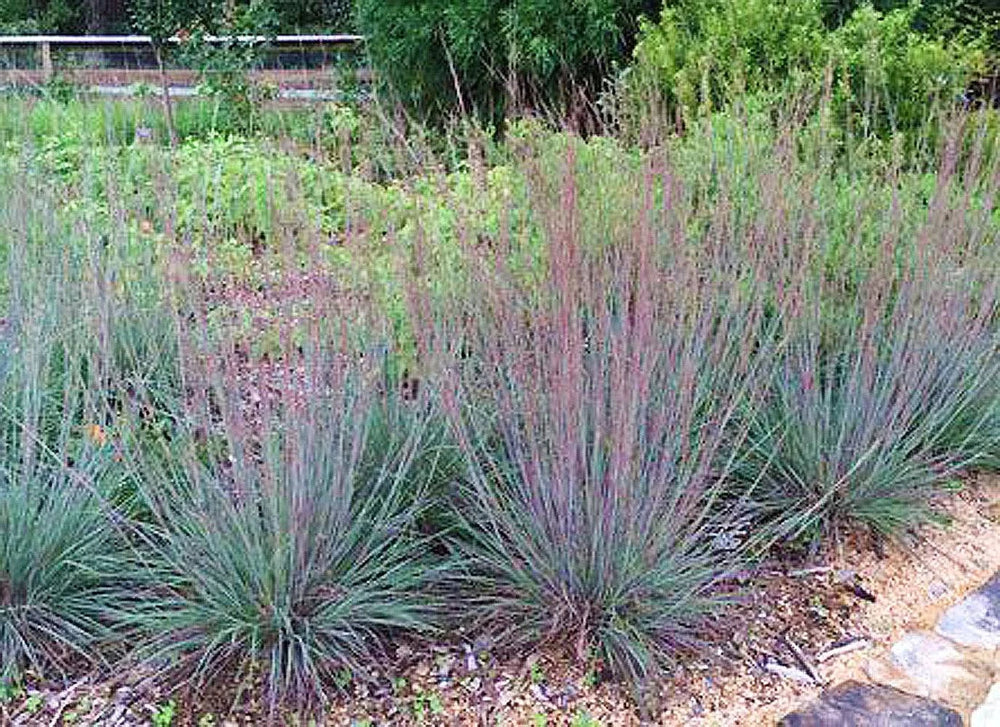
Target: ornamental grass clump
column 890, row 378
column 595, row 404
column 64, row 563
column 283, row 546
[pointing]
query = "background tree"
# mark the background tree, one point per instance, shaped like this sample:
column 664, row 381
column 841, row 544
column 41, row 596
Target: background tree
column 222, row 64
column 40, row 16
column 966, row 14
column 104, row 16
column 482, row 55
column 163, row 19
column 887, row 75
column 321, row 16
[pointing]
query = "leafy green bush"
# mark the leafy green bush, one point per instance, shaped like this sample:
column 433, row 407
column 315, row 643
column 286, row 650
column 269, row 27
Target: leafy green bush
column 703, row 54
column 224, row 68
column 27, row 17
column 886, row 76
column 894, row 77
column 316, row 16
column 949, row 17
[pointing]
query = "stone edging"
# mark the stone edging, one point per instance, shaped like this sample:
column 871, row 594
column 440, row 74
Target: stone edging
column 949, row 676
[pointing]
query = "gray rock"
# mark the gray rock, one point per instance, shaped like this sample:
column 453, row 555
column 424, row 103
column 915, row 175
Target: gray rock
column 975, row 620
column 928, row 665
column 853, row 704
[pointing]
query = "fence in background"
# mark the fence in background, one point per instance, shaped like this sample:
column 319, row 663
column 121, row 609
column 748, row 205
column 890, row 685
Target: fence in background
column 300, row 66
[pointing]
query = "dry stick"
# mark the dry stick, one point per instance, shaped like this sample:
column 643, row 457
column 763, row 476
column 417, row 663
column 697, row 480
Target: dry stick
column 802, row 659
column 811, row 571
column 168, row 112
column 454, row 79
column 855, row 645
column 65, row 697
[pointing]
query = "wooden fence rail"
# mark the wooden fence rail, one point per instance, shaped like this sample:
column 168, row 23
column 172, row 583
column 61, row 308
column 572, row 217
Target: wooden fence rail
column 116, row 62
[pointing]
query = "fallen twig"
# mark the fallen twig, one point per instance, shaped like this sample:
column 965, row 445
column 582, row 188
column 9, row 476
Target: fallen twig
column 65, row 697
column 810, row 571
column 802, row 659
column 855, row 645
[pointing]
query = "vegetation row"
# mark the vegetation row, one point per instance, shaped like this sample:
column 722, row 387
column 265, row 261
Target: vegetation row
column 270, row 408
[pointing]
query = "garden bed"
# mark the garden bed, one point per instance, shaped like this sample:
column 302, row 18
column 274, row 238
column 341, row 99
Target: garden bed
column 569, row 431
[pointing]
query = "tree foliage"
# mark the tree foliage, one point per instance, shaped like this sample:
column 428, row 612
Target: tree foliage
column 103, row 16
column 481, row 55
column 40, row 16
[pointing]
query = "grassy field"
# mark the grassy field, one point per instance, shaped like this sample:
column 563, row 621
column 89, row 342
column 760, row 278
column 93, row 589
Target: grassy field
column 274, row 403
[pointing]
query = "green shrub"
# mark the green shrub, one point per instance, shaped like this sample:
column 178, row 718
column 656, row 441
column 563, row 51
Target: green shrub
column 703, row 54
column 951, row 18
column 224, row 68
column 893, row 77
column 28, row 17
column 886, row 76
